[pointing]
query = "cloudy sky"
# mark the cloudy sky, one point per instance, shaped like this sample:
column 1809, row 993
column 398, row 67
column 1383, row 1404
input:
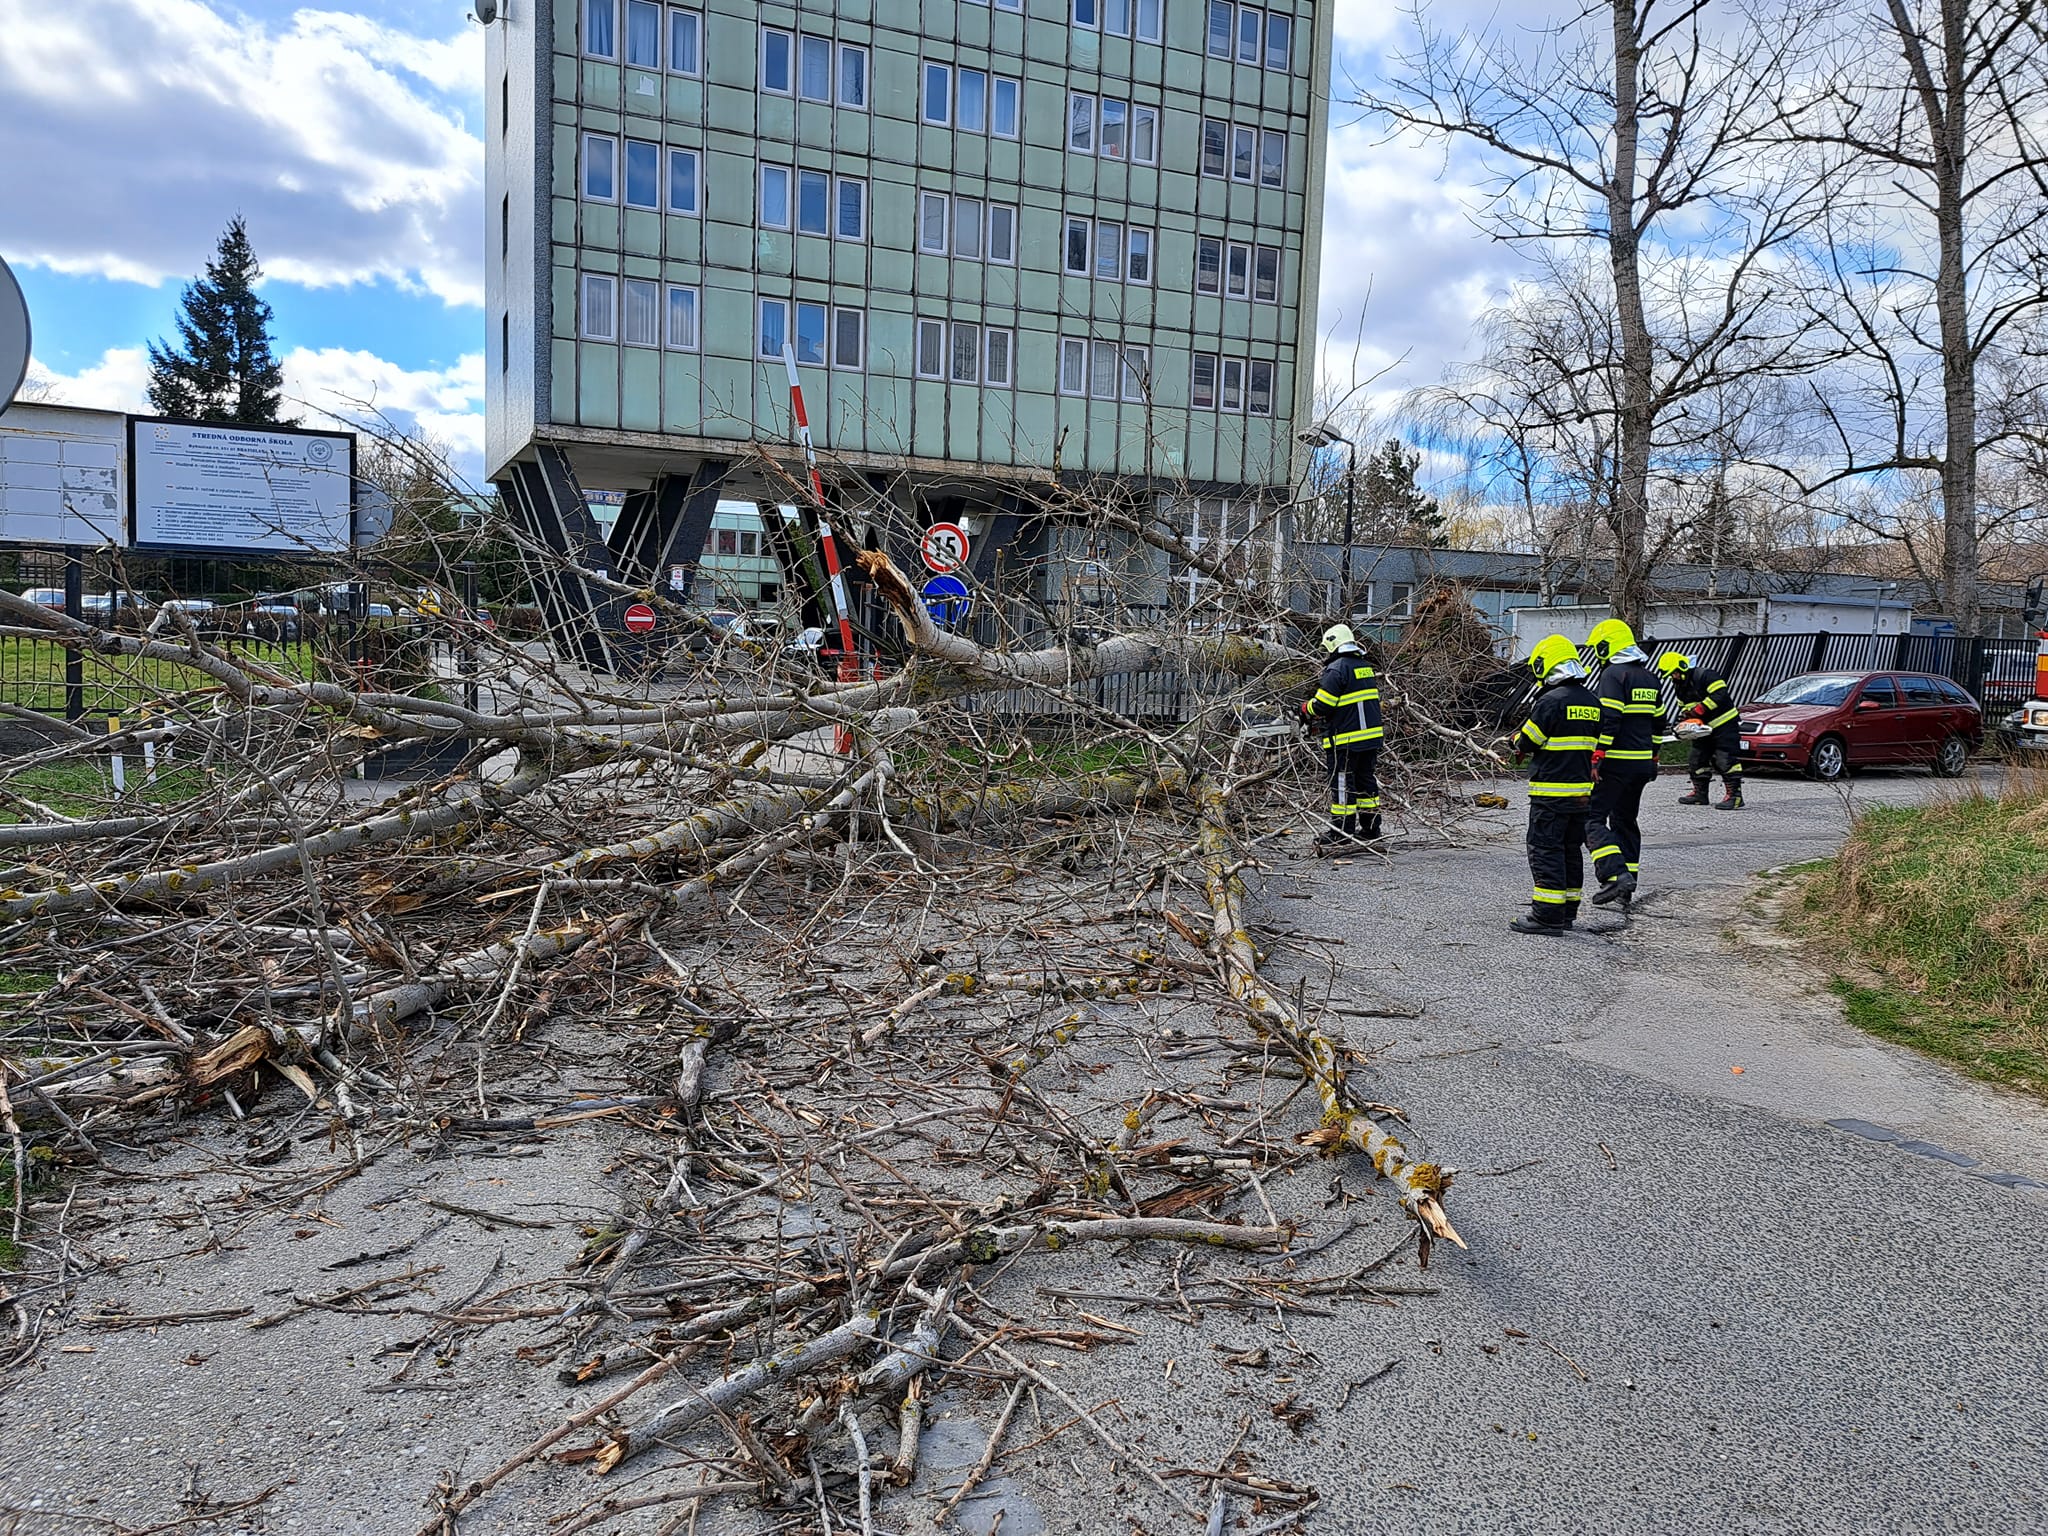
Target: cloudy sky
column 350, row 139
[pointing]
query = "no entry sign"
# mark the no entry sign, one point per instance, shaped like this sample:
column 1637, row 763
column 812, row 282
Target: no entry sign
column 640, row 619
column 944, row 547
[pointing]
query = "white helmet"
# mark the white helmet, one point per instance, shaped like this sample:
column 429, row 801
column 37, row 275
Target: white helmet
column 1338, row 636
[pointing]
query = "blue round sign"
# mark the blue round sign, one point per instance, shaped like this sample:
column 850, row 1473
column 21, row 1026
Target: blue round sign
column 947, row 600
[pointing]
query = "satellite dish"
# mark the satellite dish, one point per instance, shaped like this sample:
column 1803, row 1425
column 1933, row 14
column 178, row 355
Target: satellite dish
column 487, row 11
column 14, row 337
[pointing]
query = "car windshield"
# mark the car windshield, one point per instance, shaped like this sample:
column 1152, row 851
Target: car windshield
column 1822, row 690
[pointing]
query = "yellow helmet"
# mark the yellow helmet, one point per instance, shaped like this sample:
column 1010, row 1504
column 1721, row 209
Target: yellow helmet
column 1609, row 636
column 1337, row 636
column 1674, row 661
column 1549, row 652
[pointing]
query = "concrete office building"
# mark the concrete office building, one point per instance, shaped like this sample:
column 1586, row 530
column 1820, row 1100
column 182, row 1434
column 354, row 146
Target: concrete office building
column 1007, row 239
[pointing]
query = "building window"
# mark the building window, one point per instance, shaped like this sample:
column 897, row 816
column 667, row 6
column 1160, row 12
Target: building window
column 852, row 223
column 1241, row 154
column 1259, row 389
column 1239, row 278
column 967, row 228
column 1137, row 373
column 600, row 168
column 853, row 76
column 1221, row 16
column 685, row 182
column 1002, row 234
column 1402, row 605
column 1266, row 275
column 1076, row 255
column 1009, row 5
column 1138, row 257
column 1231, row 397
column 728, row 541
column 774, row 327
column 505, row 343
column 814, row 68
column 1087, row 13
column 1202, row 387
column 643, row 174
column 1148, row 21
column 970, row 110
column 1215, row 148
column 849, row 338
column 685, row 41
column 643, row 34
column 1105, row 366
column 1247, row 35
column 1109, row 251
column 1272, row 159
column 809, row 335
column 931, row 223
column 683, row 309
column 750, row 542
column 998, row 348
column 1208, row 266
column 813, row 203
column 1279, row 42
column 1115, row 115
column 600, row 299
column 1144, row 135
column 1081, row 123
column 775, row 197
column 777, row 63
column 601, row 28
column 1073, row 367
column 966, row 354
column 642, row 326
column 1116, row 17
column 1003, row 119
column 505, row 228
column 931, row 349
column 938, row 94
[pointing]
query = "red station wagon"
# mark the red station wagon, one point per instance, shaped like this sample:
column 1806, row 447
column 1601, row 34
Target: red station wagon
column 1827, row 723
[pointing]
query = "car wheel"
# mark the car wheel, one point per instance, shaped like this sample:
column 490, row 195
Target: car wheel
column 1952, row 758
column 1829, row 761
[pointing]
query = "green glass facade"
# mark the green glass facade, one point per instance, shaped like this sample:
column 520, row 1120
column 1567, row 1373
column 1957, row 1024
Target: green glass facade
column 1001, row 240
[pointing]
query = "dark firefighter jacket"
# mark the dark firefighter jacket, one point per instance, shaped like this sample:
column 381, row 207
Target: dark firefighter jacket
column 1562, row 730
column 1346, row 708
column 1702, row 685
column 1632, row 722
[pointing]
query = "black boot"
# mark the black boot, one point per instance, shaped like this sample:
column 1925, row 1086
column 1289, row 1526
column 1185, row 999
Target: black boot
column 1699, row 795
column 1535, row 924
column 1732, row 801
column 1620, row 889
column 1369, row 826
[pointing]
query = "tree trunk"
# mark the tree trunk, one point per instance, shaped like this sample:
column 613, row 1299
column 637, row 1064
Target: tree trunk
column 1630, row 514
column 1950, row 124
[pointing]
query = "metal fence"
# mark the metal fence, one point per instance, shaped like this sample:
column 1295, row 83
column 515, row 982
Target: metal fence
column 1996, row 672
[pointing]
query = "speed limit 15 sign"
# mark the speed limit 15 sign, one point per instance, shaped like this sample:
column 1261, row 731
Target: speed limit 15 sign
column 944, row 547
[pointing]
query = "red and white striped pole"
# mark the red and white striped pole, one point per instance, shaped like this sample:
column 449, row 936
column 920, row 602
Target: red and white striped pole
column 849, row 659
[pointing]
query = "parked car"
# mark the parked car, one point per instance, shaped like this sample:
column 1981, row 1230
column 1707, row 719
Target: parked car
column 1827, row 723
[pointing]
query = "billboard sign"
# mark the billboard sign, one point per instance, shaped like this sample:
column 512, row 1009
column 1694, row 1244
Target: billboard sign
column 223, row 488
column 62, row 478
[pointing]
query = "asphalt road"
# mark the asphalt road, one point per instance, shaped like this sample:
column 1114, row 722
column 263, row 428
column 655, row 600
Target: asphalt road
column 1782, row 1323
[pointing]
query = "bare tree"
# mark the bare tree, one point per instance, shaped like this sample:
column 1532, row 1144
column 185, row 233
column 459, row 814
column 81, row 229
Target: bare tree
column 1928, row 116
column 1626, row 129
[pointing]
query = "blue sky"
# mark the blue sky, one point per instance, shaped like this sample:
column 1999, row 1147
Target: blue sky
column 349, row 138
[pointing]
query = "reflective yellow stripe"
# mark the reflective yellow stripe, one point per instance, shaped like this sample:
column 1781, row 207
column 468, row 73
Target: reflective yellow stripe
column 1544, row 894
column 1571, row 743
column 1371, row 694
column 1560, row 791
column 1324, row 696
column 1601, row 853
column 1627, row 755
column 1535, row 732
column 1354, row 738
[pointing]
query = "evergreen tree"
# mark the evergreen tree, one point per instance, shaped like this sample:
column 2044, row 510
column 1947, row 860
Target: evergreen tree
column 223, row 368
column 1392, row 508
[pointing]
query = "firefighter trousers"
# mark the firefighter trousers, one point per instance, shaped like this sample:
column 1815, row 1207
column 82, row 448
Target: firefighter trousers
column 1717, row 754
column 1557, row 857
column 1355, row 790
column 1614, row 828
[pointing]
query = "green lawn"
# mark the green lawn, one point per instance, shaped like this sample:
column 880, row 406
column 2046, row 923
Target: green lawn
column 32, row 675
column 1947, row 906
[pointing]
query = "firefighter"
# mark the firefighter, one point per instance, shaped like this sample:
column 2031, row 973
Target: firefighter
column 1562, row 732
column 1705, row 694
column 1345, row 716
column 1631, row 737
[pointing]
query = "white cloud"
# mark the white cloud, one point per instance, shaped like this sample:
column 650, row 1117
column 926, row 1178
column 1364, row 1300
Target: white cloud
column 359, row 388
column 341, row 140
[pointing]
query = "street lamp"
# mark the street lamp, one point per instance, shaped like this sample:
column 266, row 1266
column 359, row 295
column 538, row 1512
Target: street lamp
column 1323, row 435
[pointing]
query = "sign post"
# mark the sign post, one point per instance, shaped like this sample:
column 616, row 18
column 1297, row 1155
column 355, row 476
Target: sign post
column 640, row 619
